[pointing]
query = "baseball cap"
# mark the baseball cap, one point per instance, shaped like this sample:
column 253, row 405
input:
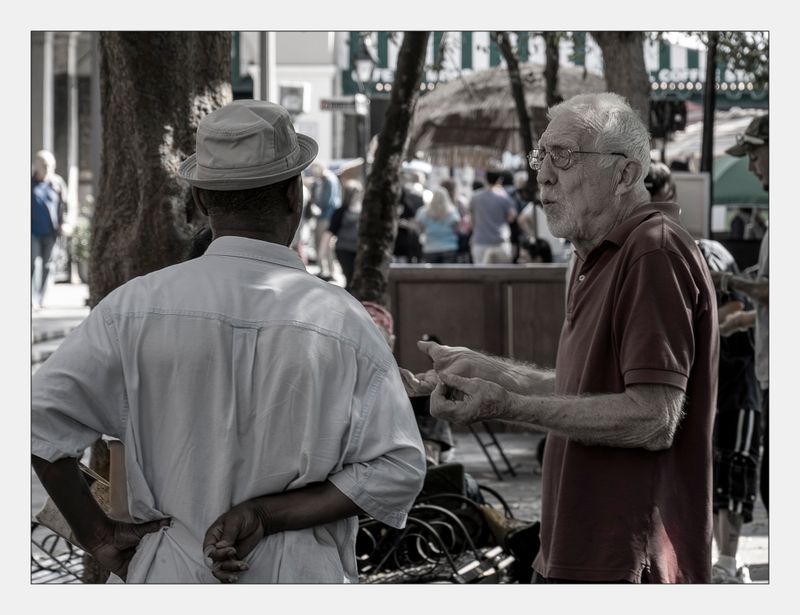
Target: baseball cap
column 757, row 134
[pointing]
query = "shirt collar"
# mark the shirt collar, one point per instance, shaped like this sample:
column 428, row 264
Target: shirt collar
column 244, row 247
column 620, row 233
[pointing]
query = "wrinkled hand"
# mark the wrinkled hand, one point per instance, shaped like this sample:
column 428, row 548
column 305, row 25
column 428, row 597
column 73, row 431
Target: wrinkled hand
column 115, row 546
column 466, row 400
column 231, row 538
column 461, row 361
column 419, row 385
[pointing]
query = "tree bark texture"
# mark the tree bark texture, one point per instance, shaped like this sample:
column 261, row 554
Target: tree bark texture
column 518, row 93
column 378, row 225
column 155, row 88
column 623, row 66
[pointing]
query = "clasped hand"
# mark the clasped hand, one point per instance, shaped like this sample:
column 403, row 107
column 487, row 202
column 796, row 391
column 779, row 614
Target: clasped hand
column 231, row 538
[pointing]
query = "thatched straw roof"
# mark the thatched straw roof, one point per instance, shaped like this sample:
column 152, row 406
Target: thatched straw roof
column 473, row 120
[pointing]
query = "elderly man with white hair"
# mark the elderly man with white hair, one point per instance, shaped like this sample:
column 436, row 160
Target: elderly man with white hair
column 629, row 409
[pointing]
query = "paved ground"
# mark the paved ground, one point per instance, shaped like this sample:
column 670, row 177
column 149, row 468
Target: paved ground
column 65, row 308
column 523, row 491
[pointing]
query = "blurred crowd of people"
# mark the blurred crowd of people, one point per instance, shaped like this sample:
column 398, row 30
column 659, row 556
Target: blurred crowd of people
column 492, row 221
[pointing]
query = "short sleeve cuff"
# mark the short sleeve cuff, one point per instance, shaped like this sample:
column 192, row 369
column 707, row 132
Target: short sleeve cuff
column 345, row 483
column 48, row 452
column 656, row 376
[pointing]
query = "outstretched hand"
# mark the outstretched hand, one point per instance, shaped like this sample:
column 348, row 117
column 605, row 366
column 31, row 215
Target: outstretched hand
column 456, row 360
column 419, row 385
column 461, row 361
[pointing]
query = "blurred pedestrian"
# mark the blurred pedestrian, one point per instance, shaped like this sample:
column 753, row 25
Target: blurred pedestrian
column 737, row 428
column 754, row 143
column 736, row 436
column 465, row 220
column 260, row 410
column 413, row 196
column 659, row 182
column 298, row 240
column 344, row 226
column 516, row 187
column 48, row 211
column 438, row 221
column 327, row 196
column 492, row 211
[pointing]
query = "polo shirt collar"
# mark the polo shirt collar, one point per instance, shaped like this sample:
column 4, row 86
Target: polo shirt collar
column 619, row 234
column 244, row 247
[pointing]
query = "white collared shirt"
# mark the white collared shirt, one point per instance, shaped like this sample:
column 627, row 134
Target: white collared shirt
column 231, row 376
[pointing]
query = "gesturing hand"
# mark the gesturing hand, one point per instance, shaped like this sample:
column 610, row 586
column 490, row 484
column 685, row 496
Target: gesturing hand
column 419, row 385
column 231, row 538
column 461, row 361
column 116, row 544
column 467, row 400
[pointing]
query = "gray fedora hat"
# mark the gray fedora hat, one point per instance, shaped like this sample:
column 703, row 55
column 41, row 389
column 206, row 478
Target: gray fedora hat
column 247, row 144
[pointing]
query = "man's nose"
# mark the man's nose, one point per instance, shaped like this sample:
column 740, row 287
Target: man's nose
column 547, row 173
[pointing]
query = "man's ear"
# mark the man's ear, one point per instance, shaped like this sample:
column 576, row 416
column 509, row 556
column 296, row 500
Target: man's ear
column 629, row 176
column 294, row 192
column 198, row 200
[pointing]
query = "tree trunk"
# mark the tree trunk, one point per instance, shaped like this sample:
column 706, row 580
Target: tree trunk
column 552, row 61
column 623, row 65
column 518, row 93
column 378, row 225
column 709, row 108
column 155, row 87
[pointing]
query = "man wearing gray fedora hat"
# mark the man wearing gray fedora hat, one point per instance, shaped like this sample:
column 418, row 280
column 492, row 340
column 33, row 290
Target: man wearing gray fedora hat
column 260, row 409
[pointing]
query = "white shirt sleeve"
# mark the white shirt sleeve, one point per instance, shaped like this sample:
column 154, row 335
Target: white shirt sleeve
column 78, row 394
column 384, row 464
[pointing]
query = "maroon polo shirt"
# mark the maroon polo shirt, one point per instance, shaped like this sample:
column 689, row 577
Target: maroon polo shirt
column 640, row 310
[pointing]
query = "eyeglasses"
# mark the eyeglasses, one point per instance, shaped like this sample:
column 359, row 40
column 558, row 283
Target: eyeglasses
column 561, row 158
column 750, row 140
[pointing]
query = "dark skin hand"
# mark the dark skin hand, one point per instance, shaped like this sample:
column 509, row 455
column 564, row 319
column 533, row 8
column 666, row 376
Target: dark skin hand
column 112, row 543
column 234, row 535
column 116, row 544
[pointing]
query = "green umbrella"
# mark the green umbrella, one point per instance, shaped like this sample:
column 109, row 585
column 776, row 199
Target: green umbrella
column 734, row 184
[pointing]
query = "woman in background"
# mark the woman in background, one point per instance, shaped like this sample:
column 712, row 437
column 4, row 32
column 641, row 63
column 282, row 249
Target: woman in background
column 439, row 221
column 344, row 226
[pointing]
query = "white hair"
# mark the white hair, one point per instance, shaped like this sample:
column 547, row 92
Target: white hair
column 47, row 159
column 617, row 127
column 441, row 205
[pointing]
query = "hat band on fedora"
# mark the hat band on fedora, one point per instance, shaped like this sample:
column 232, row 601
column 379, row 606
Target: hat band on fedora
column 263, row 170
